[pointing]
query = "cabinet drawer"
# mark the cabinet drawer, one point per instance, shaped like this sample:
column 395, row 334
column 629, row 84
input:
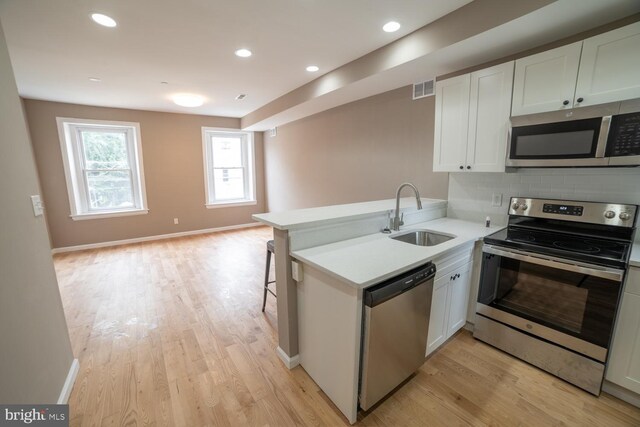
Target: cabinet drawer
column 448, row 262
column 632, row 284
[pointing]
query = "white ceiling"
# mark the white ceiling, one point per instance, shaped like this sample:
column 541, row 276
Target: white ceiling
column 55, row 47
column 556, row 21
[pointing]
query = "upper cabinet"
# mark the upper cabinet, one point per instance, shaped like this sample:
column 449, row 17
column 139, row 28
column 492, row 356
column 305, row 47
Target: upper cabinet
column 472, row 120
column 610, row 67
column 452, row 123
column 597, row 70
column 546, row 81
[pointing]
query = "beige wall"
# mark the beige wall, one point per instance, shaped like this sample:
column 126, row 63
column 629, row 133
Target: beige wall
column 356, row 152
column 173, row 169
column 35, row 351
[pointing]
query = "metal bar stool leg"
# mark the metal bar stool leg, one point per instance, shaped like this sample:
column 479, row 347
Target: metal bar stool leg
column 266, row 279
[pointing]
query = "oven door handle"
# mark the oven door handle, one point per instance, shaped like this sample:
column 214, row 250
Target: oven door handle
column 603, row 272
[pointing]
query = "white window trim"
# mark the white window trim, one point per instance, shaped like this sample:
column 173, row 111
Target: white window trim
column 208, row 168
column 69, row 154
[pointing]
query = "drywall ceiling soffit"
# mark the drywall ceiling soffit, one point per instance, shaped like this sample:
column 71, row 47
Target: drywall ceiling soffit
column 55, row 47
column 558, row 20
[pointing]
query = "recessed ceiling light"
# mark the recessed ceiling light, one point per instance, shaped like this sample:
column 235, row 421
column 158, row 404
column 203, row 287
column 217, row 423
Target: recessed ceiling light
column 312, row 68
column 391, row 27
column 241, row 96
column 104, row 20
column 243, row 53
column 188, row 100
column 94, row 79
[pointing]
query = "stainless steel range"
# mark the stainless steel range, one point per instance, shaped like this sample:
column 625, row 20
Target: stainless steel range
column 551, row 282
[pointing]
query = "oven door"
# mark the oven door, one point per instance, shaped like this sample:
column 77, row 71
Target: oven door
column 569, row 304
column 568, row 143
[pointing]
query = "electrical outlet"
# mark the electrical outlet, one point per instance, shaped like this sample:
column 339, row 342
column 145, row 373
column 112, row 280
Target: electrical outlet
column 175, row 221
column 496, row 200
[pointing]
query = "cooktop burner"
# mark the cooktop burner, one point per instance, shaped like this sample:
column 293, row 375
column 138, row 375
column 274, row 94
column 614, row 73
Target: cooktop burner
column 579, row 246
column 566, row 245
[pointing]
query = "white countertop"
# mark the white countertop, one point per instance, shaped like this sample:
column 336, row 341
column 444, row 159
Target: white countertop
column 303, row 218
column 367, row 260
column 634, row 259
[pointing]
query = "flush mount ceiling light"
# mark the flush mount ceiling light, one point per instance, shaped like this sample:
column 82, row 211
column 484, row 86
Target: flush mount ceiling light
column 104, row 20
column 243, row 53
column 94, row 79
column 312, row 68
column 188, row 100
column 391, row 27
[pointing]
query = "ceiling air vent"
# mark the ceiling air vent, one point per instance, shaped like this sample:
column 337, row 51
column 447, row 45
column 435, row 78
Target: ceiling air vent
column 425, row 88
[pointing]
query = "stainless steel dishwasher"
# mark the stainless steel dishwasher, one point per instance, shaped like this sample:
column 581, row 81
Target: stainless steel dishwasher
column 394, row 339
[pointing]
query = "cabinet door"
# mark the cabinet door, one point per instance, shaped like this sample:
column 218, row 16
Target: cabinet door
column 489, row 110
column 623, row 367
column 610, row 67
column 439, row 314
column 452, row 119
column 543, row 82
column 459, row 299
column 624, row 362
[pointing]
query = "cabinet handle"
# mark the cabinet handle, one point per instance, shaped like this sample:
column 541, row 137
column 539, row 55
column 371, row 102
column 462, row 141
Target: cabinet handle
column 468, row 167
column 461, row 167
column 565, row 102
column 579, row 100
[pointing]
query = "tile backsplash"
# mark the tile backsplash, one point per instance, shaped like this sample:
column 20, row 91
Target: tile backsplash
column 470, row 194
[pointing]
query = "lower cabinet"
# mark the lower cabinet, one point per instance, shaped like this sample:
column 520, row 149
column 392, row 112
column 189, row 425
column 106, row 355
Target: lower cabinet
column 449, row 304
column 623, row 367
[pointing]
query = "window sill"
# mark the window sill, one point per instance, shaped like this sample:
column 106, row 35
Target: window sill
column 111, row 214
column 231, row 204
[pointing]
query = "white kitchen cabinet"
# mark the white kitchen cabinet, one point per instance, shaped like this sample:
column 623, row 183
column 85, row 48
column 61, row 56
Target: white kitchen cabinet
column 623, row 367
column 459, row 299
column 472, row 120
column 610, row 67
column 439, row 314
column 449, row 303
column 489, row 108
column 546, row 81
column 600, row 69
column 452, row 123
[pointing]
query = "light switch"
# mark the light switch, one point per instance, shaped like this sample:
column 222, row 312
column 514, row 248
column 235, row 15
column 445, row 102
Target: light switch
column 36, row 202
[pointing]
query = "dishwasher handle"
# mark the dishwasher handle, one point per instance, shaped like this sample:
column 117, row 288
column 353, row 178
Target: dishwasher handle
column 393, row 287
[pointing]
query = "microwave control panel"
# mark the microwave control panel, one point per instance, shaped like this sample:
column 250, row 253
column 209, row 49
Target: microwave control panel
column 624, row 135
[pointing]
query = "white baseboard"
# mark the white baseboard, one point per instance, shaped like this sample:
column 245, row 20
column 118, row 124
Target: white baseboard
column 69, row 382
column 289, row 362
column 621, row 393
column 150, row 238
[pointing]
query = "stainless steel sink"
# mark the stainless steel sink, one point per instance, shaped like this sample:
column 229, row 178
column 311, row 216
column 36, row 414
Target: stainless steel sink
column 422, row 237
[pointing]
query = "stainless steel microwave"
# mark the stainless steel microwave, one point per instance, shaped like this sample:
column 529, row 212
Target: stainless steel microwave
column 582, row 141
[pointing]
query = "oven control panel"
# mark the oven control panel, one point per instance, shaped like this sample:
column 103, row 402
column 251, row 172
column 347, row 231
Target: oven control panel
column 571, row 210
column 562, row 209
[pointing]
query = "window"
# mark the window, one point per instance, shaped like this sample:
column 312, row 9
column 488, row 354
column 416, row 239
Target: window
column 229, row 166
column 103, row 167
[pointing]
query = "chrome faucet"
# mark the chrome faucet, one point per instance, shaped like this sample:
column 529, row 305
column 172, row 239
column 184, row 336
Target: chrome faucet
column 397, row 220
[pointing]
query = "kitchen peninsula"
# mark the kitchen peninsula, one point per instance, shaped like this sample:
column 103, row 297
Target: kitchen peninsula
column 334, row 253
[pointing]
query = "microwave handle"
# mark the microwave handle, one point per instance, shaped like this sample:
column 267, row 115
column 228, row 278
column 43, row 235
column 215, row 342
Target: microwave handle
column 605, row 273
column 603, row 136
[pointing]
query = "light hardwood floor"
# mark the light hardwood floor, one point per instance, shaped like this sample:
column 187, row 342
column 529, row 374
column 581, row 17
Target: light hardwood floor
column 170, row 333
